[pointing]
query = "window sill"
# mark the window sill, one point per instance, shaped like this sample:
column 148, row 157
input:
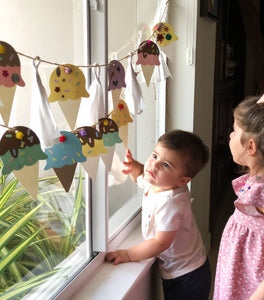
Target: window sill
column 115, row 281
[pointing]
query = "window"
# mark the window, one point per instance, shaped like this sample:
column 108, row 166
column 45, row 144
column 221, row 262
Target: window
column 55, row 240
column 132, row 23
column 69, row 238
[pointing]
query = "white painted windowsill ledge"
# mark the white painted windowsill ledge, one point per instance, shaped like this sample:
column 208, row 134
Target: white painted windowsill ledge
column 115, row 282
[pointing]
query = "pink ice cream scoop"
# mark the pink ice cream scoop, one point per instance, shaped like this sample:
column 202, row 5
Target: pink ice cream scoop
column 9, row 66
column 116, row 75
column 148, row 54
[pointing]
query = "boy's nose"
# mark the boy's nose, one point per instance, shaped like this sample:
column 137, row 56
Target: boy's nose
column 156, row 165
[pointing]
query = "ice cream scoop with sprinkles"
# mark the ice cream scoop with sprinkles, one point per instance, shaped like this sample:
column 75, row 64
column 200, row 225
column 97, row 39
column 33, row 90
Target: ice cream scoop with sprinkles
column 19, row 147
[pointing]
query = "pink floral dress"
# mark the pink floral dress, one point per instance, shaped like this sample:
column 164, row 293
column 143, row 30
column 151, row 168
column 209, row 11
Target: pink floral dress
column 240, row 265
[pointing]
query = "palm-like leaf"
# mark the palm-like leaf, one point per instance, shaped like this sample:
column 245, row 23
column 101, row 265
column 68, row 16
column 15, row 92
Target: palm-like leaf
column 29, row 248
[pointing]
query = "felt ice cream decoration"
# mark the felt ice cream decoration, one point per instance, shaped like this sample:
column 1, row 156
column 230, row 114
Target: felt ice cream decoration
column 10, row 77
column 148, row 58
column 9, row 66
column 122, row 117
column 63, row 158
column 67, row 85
column 165, row 36
column 116, row 76
column 110, row 133
column 20, row 153
column 92, row 147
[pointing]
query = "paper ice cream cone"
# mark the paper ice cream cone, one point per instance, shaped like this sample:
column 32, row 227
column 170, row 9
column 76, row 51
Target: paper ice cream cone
column 123, row 133
column 70, row 110
column 115, row 97
column 108, row 157
column 91, row 166
column 6, row 97
column 28, row 177
column 169, row 50
column 65, row 175
column 147, row 72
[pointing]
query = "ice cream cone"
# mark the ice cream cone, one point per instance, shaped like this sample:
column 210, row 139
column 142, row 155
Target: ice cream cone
column 123, row 133
column 70, row 110
column 147, row 72
column 28, row 177
column 169, row 50
column 65, row 175
column 115, row 97
column 108, row 157
column 6, row 97
column 91, row 166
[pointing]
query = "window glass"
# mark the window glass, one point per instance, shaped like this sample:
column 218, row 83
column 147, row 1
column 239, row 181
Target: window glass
column 48, row 236
column 51, row 237
column 132, row 23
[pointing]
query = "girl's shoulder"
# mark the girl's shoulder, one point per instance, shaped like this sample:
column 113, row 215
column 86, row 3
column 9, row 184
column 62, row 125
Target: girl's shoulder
column 240, row 180
column 250, row 190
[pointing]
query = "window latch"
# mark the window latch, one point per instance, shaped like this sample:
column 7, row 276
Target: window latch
column 94, row 4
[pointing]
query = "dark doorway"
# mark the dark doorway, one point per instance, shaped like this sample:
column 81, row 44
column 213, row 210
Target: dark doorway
column 228, row 92
column 239, row 72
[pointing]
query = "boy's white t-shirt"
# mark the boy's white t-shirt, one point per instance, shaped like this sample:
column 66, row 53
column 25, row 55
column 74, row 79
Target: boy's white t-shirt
column 171, row 211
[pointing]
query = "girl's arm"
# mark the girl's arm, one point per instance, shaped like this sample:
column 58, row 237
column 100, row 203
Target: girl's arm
column 132, row 166
column 147, row 249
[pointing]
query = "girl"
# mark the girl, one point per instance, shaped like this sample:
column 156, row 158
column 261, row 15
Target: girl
column 240, row 265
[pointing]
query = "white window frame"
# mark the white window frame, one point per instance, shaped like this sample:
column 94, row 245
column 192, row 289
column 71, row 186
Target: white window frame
column 97, row 51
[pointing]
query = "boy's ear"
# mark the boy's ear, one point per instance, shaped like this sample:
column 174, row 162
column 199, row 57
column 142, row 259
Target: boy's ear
column 184, row 180
column 252, row 147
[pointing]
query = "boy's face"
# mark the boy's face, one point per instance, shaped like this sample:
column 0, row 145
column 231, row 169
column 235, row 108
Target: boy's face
column 165, row 169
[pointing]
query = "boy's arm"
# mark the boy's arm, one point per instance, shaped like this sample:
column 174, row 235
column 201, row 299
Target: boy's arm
column 147, row 249
column 132, row 166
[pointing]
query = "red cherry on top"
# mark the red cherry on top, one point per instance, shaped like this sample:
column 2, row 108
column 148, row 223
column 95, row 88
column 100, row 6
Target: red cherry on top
column 62, row 138
column 121, row 106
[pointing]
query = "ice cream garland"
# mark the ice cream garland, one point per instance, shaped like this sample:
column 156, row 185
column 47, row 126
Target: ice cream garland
column 20, row 139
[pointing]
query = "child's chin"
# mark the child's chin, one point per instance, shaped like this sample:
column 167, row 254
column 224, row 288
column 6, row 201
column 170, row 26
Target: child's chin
column 149, row 179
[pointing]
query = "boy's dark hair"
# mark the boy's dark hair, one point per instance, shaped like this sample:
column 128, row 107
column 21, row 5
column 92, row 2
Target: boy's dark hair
column 194, row 152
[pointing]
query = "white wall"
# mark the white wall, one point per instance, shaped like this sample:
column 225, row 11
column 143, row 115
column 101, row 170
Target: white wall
column 190, row 92
column 203, row 117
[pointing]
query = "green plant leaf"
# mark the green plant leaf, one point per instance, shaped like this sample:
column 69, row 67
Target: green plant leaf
column 13, row 254
column 7, row 192
column 25, row 286
column 13, row 267
column 9, row 233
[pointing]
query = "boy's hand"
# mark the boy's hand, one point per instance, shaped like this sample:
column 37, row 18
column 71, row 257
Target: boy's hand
column 117, row 257
column 128, row 163
column 132, row 166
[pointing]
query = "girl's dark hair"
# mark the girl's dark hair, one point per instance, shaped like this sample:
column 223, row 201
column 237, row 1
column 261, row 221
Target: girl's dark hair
column 194, row 152
column 250, row 118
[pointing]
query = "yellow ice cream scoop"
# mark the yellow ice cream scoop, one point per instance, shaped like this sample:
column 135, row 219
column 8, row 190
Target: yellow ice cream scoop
column 67, row 82
column 164, row 34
